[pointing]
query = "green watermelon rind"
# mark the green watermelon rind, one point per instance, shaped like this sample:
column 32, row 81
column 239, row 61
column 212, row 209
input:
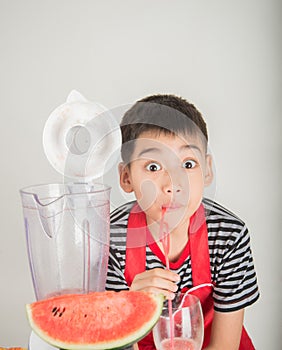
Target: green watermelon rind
column 113, row 345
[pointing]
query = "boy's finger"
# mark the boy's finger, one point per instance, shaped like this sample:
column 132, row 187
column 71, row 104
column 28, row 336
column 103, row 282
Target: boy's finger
column 167, row 294
column 154, row 281
column 158, row 272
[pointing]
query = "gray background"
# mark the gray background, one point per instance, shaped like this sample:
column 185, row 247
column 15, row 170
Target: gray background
column 224, row 56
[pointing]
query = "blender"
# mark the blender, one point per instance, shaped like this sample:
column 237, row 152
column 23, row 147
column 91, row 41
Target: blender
column 67, row 225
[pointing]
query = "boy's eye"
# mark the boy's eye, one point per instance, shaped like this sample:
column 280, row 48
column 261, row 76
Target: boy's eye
column 153, row 167
column 189, row 164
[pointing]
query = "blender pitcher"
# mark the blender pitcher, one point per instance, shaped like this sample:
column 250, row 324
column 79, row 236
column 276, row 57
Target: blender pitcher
column 67, row 233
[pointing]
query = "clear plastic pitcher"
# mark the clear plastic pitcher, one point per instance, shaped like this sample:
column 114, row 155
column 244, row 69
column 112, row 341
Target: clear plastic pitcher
column 67, row 231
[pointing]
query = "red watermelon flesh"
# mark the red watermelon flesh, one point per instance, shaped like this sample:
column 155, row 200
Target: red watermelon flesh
column 99, row 320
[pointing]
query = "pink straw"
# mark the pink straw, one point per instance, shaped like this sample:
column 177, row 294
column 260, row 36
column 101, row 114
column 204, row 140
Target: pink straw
column 165, row 240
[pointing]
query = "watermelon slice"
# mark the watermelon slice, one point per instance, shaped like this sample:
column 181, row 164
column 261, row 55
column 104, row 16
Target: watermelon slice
column 96, row 321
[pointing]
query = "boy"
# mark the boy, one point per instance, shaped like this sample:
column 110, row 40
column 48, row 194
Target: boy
column 166, row 164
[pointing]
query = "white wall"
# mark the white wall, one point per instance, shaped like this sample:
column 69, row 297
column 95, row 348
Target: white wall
column 225, row 56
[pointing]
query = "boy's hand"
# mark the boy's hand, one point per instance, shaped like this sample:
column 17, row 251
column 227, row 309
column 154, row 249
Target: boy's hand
column 157, row 281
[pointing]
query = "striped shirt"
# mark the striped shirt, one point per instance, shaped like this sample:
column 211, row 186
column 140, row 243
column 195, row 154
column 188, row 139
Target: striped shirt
column 231, row 262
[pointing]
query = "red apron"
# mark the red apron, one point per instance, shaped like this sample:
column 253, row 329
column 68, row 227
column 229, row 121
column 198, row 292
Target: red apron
column 137, row 239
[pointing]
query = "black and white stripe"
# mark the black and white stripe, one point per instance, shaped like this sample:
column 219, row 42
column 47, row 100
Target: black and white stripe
column 231, row 261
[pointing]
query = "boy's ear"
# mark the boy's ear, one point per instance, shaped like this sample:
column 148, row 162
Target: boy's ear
column 208, row 170
column 124, row 178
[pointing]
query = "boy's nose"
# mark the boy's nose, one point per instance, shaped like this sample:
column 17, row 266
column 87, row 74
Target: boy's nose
column 173, row 189
column 171, row 185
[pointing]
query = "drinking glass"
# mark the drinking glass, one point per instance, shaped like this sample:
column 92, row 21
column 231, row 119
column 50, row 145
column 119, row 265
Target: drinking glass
column 184, row 330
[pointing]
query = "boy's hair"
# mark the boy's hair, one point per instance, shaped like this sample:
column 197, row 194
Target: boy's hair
column 167, row 114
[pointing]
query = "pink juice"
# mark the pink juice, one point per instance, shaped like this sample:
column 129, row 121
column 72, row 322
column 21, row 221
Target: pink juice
column 178, row 344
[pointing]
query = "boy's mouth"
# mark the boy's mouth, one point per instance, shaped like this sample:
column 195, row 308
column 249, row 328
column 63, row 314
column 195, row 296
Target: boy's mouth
column 171, row 206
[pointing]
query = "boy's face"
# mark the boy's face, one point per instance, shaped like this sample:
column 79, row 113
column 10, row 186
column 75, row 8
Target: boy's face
column 167, row 171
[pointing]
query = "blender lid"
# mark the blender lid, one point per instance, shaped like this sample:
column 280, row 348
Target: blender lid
column 81, row 139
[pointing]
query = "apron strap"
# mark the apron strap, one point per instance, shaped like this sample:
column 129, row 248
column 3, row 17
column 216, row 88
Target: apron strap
column 135, row 258
column 199, row 248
